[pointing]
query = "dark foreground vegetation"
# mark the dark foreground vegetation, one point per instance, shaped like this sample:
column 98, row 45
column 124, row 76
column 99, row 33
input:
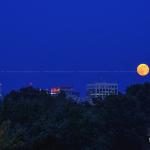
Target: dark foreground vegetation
column 33, row 120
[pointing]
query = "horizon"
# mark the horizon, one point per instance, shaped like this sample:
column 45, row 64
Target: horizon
column 81, row 90
column 73, row 36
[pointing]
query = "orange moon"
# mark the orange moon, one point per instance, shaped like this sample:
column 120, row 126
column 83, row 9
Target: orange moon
column 143, row 70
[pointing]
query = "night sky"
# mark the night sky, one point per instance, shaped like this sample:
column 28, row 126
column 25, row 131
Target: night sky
column 73, row 35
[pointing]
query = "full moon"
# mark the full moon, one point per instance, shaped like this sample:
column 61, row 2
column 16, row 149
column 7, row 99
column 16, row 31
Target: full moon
column 143, row 70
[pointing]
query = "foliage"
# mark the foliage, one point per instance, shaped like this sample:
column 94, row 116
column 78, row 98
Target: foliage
column 32, row 119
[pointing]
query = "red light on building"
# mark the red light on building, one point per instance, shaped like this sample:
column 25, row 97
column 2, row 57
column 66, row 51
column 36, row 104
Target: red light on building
column 55, row 91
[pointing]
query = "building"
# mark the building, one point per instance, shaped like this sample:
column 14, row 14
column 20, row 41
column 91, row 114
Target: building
column 69, row 92
column 101, row 90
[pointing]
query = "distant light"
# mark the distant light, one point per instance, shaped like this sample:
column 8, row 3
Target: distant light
column 55, row 91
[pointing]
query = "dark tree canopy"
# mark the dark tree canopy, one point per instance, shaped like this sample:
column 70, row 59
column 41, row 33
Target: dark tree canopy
column 31, row 119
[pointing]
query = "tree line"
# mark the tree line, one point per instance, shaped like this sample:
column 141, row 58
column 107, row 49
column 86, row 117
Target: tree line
column 31, row 119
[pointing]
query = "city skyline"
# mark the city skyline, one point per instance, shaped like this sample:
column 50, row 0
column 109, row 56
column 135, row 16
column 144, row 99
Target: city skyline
column 80, row 85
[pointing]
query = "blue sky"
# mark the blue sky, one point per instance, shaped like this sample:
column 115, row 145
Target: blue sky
column 73, row 35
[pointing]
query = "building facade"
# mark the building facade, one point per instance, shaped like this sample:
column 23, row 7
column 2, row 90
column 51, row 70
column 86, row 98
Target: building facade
column 101, row 90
